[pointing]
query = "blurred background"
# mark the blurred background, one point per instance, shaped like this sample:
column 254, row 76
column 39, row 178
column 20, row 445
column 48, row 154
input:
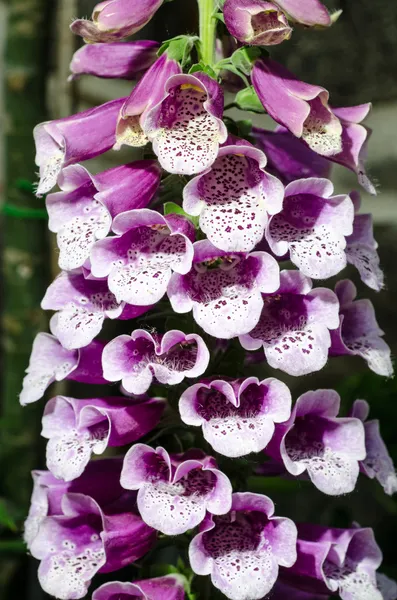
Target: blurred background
column 356, row 60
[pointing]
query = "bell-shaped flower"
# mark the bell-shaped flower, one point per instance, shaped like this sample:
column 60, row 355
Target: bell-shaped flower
column 169, row 587
column 84, row 540
column 139, row 261
column 186, row 126
column 174, row 492
column 354, row 142
column 83, row 305
column 288, row 158
column 256, row 22
column 340, row 562
column 100, row 480
column 70, row 140
column 82, row 212
column 237, row 416
column 234, row 197
column 312, row 227
column 148, row 92
column 315, row 440
column 224, row 289
column 135, row 359
column 117, row 60
column 311, row 13
column 50, row 362
column 114, row 20
column 301, row 107
column 359, row 333
column 242, row 551
column 77, row 428
column 378, row 463
column 294, row 325
column 361, row 249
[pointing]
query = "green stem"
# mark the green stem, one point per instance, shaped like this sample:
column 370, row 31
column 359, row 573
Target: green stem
column 207, row 30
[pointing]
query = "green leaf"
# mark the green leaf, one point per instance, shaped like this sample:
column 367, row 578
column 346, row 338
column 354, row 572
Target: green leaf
column 179, row 48
column 6, row 520
column 233, row 69
column 202, row 68
column 244, row 58
column 170, row 208
column 247, row 99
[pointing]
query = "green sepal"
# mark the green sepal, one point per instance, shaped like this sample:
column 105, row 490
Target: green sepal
column 171, row 208
column 202, row 68
column 219, row 16
column 179, row 48
column 244, row 58
column 248, row 99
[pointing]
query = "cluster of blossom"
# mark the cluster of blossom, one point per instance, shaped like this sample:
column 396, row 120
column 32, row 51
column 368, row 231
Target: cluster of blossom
column 246, row 209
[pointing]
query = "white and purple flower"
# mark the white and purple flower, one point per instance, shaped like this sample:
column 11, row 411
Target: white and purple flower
column 169, row 587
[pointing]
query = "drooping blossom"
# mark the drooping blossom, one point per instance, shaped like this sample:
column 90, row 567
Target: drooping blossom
column 135, row 359
column 378, row 463
column 288, row 157
column 256, row 22
column 147, row 93
column 175, row 491
column 82, row 212
column 294, row 325
column 116, row 60
column 311, row 13
column 85, row 539
column 139, row 261
column 100, row 480
column 82, row 305
column 186, row 126
column 312, row 227
column 242, row 550
column 66, row 141
column 315, row 440
column 234, row 198
column 361, row 249
column 114, row 20
column 238, row 416
column 359, row 333
column 51, row 362
column 300, row 107
column 77, row 428
column 169, row 587
column 338, row 561
column 224, row 289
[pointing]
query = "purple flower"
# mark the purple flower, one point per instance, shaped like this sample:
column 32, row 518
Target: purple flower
column 377, row 463
column 83, row 211
column 51, row 362
column 77, row 428
column 234, row 197
column 137, row 358
column 85, row 539
column 147, row 93
column 242, row 550
column 294, row 325
column 284, row 591
column 361, row 248
column 359, row 333
column 308, row 12
column 340, row 561
column 354, row 142
column 175, row 491
column 123, row 60
column 288, row 158
column 256, row 22
column 312, row 227
column 140, row 260
column 315, row 440
column 170, row 587
column 186, row 126
column 114, row 20
column 224, row 289
column 82, row 305
column 238, row 416
column 72, row 139
column 386, row 586
column 300, row 107
column 100, row 480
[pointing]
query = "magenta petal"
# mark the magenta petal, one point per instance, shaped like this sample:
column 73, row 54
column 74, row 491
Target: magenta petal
column 256, row 22
column 307, row 12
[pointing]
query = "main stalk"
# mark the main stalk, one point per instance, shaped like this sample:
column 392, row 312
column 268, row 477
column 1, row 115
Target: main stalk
column 207, row 30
